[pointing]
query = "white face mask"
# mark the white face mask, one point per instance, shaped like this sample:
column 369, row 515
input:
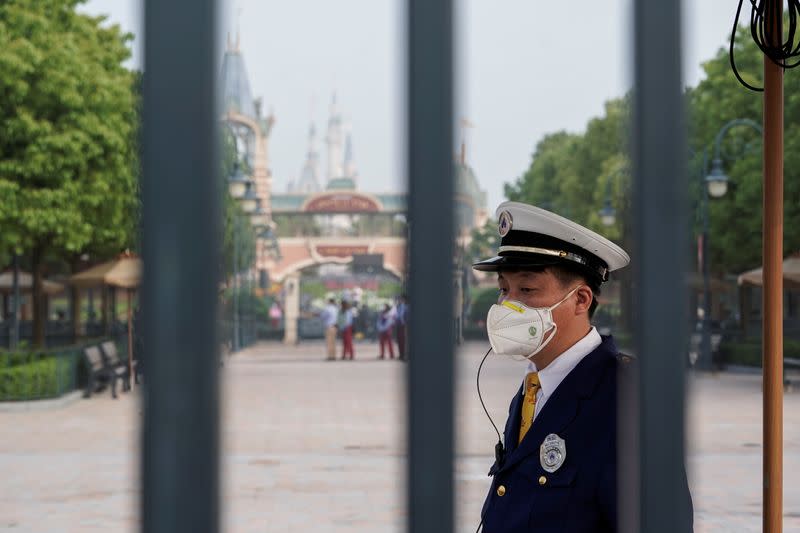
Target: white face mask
column 518, row 330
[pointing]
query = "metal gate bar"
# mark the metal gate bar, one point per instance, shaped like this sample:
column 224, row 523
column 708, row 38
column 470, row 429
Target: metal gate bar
column 181, row 451
column 659, row 260
column 430, row 213
column 180, row 466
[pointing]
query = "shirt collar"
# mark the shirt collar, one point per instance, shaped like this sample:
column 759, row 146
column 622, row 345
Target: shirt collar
column 553, row 374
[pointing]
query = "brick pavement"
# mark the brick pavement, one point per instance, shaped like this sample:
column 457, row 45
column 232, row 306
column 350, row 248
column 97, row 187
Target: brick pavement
column 314, row 444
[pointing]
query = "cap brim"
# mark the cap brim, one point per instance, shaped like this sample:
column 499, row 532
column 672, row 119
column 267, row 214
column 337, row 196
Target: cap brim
column 514, row 262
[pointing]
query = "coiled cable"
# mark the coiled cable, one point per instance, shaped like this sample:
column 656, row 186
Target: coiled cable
column 784, row 52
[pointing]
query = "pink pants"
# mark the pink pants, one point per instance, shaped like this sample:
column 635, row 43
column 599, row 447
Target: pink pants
column 347, row 343
column 385, row 339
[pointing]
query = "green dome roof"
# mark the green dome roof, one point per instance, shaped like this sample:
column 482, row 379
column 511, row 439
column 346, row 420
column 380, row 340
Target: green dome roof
column 341, row 184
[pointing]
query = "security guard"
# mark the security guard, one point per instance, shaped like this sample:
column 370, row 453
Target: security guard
column 558, row 468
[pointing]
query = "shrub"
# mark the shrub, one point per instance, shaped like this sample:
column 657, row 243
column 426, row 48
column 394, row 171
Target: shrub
column 482, row 300
column 23, row 355
column 389, row 289
column 748, row 352
column 30, row 375
column 475, row 333
column 37, row 379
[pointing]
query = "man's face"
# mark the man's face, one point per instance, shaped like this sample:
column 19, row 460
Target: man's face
column 534, row 289
column 538, row 289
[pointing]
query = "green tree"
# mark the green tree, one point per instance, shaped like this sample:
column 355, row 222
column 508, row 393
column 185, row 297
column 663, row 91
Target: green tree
column 570, row 172
column 68, row 123
column 235, row 223
column 736, row 219
column 551, row 164
column 239, row 233
column 483, row 242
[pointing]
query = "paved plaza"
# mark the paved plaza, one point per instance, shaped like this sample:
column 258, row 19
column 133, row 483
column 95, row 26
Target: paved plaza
column 318, row 446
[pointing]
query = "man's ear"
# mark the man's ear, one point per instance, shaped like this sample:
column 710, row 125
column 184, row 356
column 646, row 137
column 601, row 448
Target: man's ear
column 584, row 298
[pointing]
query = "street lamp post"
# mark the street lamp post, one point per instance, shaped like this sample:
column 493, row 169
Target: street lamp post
column 241, row 189
column 608, row 215
column 714, row 184
column 263, row 227
column 249, row 203
column 235, row 342
column 237, row 182
column 704, row 357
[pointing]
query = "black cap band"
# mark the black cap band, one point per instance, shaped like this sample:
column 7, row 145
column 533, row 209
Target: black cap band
column 524, row 247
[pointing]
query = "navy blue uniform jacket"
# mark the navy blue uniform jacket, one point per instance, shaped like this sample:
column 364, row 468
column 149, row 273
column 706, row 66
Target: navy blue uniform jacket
column 581, row 495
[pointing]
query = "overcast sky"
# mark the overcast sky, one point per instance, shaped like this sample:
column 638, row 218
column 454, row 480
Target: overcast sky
column 525, row 68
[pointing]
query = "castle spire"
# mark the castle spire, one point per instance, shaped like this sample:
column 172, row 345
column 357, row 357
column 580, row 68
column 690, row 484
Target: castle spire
column 309, row 176
column 349, row 163
column 334, row 141
column 465, row 124
column 238, row 28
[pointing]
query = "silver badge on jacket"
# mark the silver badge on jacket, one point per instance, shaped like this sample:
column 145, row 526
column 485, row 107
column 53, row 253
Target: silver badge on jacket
column 552, row 453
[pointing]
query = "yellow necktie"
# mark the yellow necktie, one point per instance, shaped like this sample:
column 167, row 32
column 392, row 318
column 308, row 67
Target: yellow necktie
column 528, row 403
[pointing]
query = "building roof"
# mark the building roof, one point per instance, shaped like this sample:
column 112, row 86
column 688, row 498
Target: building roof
column 342, row 183
column 293, row 202
column 467, row 184
column 309, row 176
column 236, row 93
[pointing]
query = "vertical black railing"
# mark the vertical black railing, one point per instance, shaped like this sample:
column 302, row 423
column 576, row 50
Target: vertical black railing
column 653, row 474
column 180, row 442
column 430, row 213
column 180, row 472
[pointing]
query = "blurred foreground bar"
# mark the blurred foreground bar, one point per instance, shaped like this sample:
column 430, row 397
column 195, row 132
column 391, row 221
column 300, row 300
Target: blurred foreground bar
column 652, row 409
column 180, row 467
column 430, row 214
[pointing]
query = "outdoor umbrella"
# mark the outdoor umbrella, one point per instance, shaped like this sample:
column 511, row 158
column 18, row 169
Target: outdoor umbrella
column 125, row 272
column 791, row 273
column 26, row 283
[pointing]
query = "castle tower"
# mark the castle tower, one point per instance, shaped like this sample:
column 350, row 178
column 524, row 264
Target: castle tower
column 309, row 176
column 349, row 164
column 242, row 115
column 334, row 141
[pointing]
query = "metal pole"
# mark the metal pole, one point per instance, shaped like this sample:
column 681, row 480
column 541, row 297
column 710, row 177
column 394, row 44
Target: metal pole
column 430, row 206
column 252, row 298
column 236, row 325
column 704, row 362
column 131, row 374
column 246, row 306
column 651, row 422
column 180, row 465
column 15, row 285
column 773, row 281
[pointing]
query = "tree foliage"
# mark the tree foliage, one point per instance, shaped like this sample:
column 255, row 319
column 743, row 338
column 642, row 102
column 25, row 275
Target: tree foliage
column 736, row 218
column 238, row 235
column 68, row 162
column 573, row 173
column 68, row 127
column 483, row 242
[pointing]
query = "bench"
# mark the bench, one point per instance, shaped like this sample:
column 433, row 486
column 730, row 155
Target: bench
column 99, row 372
column 109, row 349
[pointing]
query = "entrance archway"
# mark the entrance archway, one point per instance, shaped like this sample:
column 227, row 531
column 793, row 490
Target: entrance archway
column 307, row 288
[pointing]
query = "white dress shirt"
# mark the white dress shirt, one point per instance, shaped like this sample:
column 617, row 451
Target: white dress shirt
column 553, row 374
column 330, row 315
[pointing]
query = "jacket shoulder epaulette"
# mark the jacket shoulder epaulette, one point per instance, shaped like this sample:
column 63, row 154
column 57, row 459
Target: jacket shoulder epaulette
column 625, row 359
